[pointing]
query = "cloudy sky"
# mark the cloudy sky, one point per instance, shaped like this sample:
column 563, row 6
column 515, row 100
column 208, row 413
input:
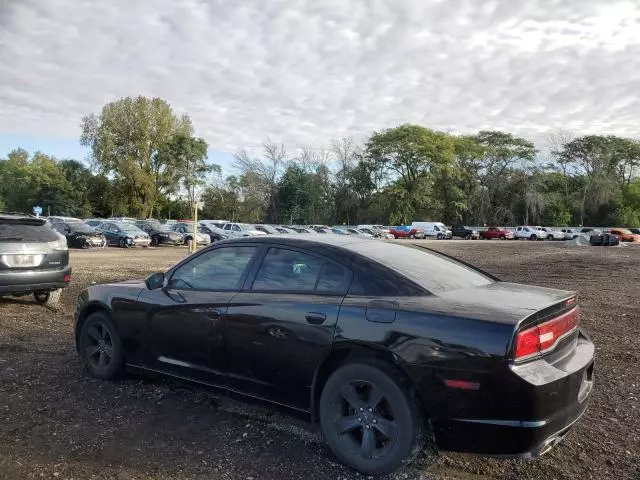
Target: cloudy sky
column 306, row 71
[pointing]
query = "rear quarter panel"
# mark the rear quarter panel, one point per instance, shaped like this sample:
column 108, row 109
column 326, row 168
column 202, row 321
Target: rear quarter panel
column 430, row 346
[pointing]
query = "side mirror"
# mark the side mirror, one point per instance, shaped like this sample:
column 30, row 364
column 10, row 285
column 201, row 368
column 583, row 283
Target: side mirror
column 155, row 281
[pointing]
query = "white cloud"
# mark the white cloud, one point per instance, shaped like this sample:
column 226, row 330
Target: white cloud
column 305, row 71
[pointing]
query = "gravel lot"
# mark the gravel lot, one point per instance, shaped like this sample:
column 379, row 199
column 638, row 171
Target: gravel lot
column 56, row 422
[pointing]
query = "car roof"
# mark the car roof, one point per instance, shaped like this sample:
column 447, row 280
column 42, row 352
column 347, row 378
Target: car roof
column 16, row 216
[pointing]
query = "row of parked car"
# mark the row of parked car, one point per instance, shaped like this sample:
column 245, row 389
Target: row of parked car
column 126, row 232
column 439, row 231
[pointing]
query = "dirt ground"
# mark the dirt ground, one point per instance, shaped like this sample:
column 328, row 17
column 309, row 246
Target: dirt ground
column 56, row 422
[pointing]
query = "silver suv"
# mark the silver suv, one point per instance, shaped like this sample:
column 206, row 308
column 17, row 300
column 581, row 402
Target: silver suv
column 34, row 259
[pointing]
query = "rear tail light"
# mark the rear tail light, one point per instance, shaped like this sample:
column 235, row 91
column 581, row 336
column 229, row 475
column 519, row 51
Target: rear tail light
column 67, row 278
column 544, row 337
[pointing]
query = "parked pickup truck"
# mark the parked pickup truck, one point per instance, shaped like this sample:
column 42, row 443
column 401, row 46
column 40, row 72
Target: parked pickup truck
column 530, row 233
column 496, row 233
column 405, row 231
column 464, row 232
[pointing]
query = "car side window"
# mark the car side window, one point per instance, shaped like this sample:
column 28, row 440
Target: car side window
column 236, row 228
column 290, row 270
column 218, row 269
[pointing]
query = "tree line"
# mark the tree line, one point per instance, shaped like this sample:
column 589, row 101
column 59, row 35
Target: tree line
column 146, row 162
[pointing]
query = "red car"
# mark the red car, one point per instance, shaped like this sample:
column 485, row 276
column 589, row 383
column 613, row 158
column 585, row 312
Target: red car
column 496, row 233
column 405, row 231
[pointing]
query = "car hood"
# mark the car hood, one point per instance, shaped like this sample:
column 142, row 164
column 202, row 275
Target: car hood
column 111, row 294
column 500, row 302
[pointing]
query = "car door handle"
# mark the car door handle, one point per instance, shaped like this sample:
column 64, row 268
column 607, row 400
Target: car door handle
column 209, row 312
column 316, row 318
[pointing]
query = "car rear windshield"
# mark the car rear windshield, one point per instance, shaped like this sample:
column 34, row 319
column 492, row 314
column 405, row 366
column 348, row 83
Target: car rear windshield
column 27, row 230
column 431, row 271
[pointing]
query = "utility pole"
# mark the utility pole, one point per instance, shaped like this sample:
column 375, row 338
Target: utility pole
column 194, row 244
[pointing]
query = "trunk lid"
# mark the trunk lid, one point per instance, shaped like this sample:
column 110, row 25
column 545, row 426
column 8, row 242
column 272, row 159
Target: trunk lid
column 503, row 302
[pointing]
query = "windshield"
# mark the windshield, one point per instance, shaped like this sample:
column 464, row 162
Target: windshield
column 80, row 227
column 129, row 228
column 155, row 225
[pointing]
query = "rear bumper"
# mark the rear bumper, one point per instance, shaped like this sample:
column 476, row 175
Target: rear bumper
column 507, row 438
column 29, row 280
column 543, row 402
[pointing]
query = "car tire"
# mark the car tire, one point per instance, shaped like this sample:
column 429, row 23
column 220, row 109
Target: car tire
column 122, row 243
column 467, row 236
column 372, row 436
column 533, row 237
column 439, row 237
column 503, row 237
column 101, row 349
column 155, row 241
column 549, row 237
column 49, row 299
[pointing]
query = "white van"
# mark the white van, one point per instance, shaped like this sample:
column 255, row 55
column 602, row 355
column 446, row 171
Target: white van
column 433, row 229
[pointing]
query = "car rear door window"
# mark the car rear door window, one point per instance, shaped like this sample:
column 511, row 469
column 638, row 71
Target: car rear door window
column 294, row 271
column 218, row 269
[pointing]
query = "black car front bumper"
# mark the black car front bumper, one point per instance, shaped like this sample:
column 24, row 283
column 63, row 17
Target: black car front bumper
column 169, row 241
column 87, row 242
column 24, row 281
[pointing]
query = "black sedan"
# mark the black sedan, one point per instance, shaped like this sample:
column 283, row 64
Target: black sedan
column 80, row 235
column 160, row 234
column 391, row 348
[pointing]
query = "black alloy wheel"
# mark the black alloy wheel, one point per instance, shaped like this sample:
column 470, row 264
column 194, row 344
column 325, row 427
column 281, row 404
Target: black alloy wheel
column 370, row 421
column 467, row 236
column 122, row 243
column 100, row 347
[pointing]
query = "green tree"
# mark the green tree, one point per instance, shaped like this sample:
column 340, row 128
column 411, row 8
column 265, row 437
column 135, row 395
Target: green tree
column 503, row 157
column 408, row 156
column 125, row 140
column 187, row 157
